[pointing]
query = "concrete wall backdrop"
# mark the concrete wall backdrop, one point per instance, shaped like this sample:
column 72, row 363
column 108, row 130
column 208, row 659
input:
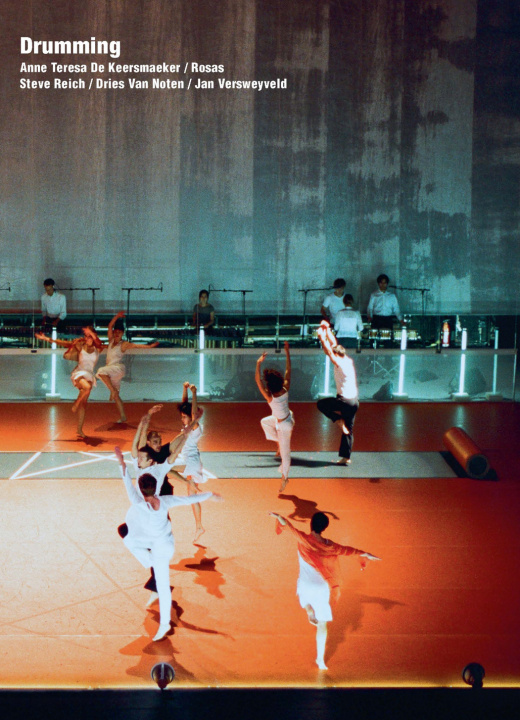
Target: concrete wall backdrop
column 395, row 147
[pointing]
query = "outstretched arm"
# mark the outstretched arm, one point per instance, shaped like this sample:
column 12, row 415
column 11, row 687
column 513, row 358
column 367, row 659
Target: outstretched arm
column 287, row 378
column 258, row 378
column 61, row 343
column 135, row 346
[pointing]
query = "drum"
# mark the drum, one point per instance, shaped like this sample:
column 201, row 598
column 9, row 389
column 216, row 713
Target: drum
column 385, row 334
column 373, row 334
column 413, row 335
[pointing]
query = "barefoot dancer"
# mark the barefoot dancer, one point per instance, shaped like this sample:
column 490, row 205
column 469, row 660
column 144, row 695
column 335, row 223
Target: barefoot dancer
column 189, row 463
column 86, row 351
column 346, row 403
column 150, row 537
column 278, row 427
column 318, row 580
column 114, row 371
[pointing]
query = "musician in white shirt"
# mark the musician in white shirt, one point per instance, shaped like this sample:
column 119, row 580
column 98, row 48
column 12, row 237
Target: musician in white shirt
column 53, row 305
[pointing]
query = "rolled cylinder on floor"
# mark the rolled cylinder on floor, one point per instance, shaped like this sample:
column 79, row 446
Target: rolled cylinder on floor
column 466, row 452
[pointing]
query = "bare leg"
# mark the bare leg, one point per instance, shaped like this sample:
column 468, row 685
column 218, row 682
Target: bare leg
column 81, row 420
column 321, row 639
column 114, row 395
column 197, row 513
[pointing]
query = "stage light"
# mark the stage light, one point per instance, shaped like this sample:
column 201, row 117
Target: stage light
column 327, row 377
column 404, row 338
column 494, row 395
column 474, row 674
column 162, row 674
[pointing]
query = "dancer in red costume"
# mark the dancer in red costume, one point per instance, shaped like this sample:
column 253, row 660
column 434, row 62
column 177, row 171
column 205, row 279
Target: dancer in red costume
column 318, row 582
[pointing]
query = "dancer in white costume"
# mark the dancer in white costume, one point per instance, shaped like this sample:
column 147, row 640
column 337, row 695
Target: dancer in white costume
column 150, row 537
column 86, row 351
column 279, row 425
column 114, row 371
column 318, row 582
column 189, row 463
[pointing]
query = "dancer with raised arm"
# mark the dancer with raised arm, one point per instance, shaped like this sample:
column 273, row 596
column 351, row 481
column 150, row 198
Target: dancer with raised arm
column 189, row 463
column 150, row 537
column 279, row 425
column 346, row 403
column 318, row 581
column 85, row 350
column 114, row 371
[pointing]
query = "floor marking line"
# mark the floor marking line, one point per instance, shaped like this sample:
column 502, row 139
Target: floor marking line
column 26, row 464
column 62, row 467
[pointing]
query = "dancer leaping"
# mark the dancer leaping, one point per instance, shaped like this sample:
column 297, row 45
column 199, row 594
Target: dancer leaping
column 318, row 582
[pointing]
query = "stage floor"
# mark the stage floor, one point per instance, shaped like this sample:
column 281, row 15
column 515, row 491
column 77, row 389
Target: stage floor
column 446, row 592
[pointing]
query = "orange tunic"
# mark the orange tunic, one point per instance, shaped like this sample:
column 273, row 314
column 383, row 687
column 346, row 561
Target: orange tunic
column 321, row 554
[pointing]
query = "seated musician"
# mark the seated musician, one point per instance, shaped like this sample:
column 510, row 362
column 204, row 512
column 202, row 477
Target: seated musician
column 383, row 306
column 203, row 312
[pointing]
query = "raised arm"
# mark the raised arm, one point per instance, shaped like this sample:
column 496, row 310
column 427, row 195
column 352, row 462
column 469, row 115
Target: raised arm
column 133, row 495
column 287, row 378
column 178, row 441
column 258, row 378
column 185, row 386
column 111, row 324
column 328, row 341
column 140, row 434
column 194, row 407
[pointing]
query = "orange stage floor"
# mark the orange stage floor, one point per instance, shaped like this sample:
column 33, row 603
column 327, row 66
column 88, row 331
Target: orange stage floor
column 446, row 593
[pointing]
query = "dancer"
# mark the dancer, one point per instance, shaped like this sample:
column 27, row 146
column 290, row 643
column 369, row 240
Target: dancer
column 346, row 403
column 318, row 581
column 114, row 371
column 278, row 427
column 158, row 464
column 86, row 351
column 189, row 463
column 150, row 537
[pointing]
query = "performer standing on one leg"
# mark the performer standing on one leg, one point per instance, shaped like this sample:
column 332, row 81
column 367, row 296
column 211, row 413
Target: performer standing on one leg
column 189, row 463
column 346, row 403
column 86, row 351
column 150, row 537
column 318, row 581
column 278, row 427
column 114, row 371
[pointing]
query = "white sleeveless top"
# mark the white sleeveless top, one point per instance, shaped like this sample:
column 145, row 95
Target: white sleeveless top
column 114, row 354
column 280, row 406
column 87, row 361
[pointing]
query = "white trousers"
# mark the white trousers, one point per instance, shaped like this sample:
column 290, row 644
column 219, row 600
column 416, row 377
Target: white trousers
column 280, row 432
column 156, row 554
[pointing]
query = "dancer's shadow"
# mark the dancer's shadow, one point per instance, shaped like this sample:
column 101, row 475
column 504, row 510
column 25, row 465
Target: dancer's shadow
column 205, row 569
column 304, row 509
column 307, row 462
column 348, row 615
column 150, row 652
column 113, row 425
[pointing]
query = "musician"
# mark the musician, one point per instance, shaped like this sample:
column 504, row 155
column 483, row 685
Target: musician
column 53, row 305
column 333, row 303
column 203, row 312
column 383, row 306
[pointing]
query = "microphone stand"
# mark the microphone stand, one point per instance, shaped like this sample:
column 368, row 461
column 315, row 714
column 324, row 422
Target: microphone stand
column 304, row 316
column 128, row 290
column 93, row 291
column 213, row 290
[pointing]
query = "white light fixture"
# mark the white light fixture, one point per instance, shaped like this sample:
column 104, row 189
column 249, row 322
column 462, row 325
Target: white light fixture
column 327, row 377
column 494, row 395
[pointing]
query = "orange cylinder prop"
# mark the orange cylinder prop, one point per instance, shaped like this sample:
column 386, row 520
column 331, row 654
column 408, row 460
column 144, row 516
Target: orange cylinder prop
column 466, row 453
